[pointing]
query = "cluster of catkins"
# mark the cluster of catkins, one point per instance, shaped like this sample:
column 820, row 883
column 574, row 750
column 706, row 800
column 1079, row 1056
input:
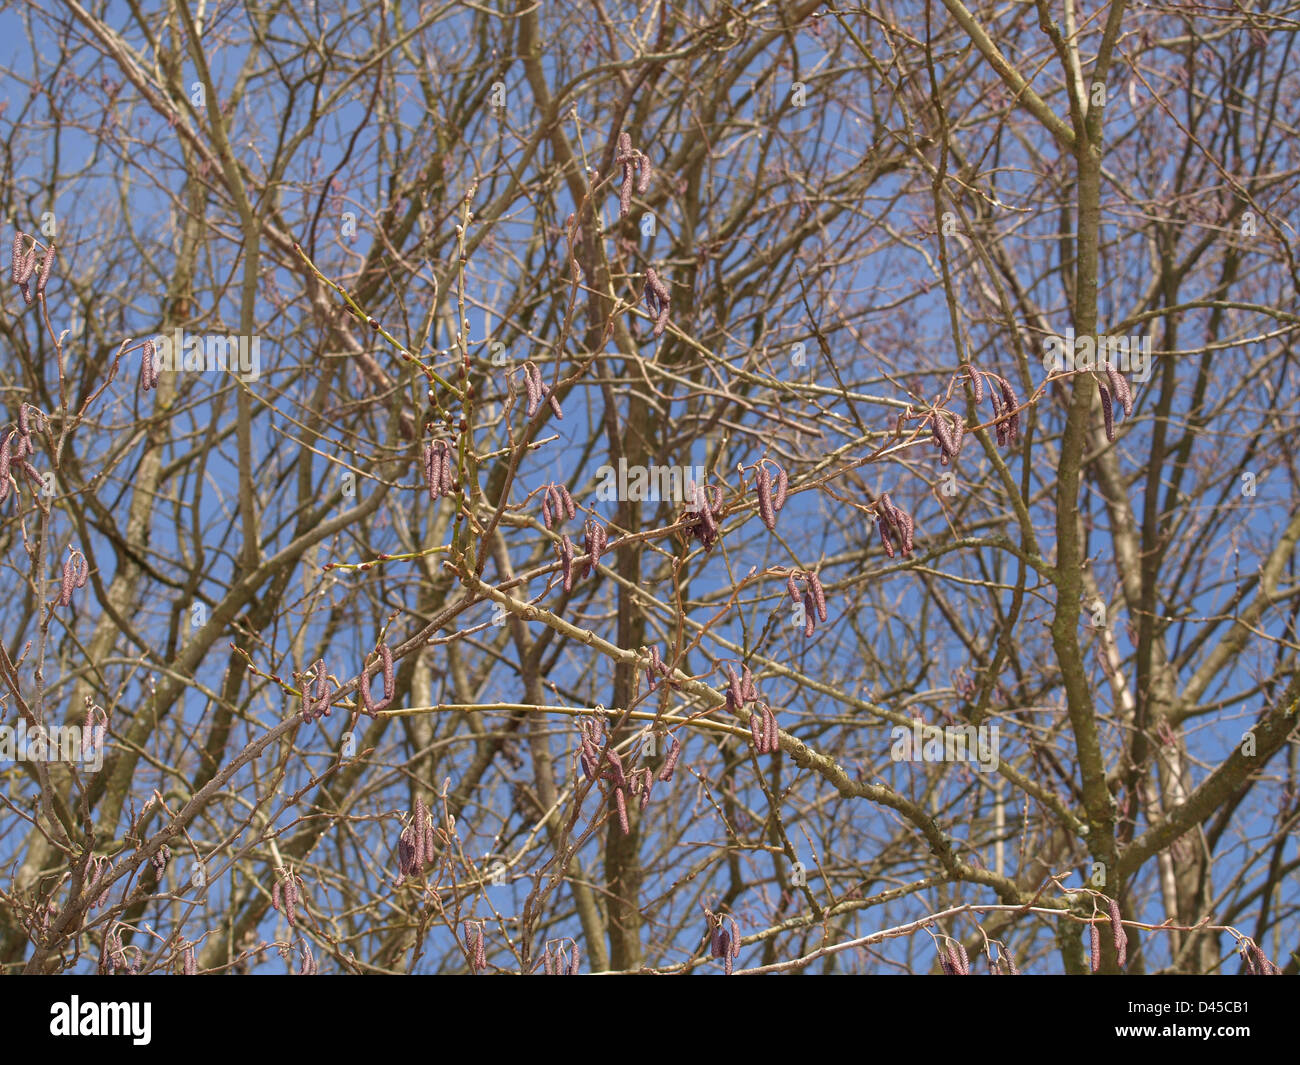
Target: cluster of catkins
column 595, row 538
column 706, row 510
column 1005, row 404
column 1119, row 392
column 947, row 436
column 658, row 300
column 813, row 598
column 97, row 873
column 724, row 943
column 437, row 469
column 557, row 503
column 475, row 945
column 557, row 964
column 608, row 767
column 75, row 572
column 416, row 847
column 895, row 525
column 316, row 695
column 115, row 955
column 390, row 684
column 1257, row 962
column 285, row 896
column 308, row 966
column 771, row 494
column 16, row 448
column 658, row 670
column 24, row 265
column 1117, row 930
column 631, row 160
column 954, row 959
column 537, row 391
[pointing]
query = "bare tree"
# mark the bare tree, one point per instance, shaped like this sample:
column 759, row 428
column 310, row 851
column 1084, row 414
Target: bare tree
column 589, row 488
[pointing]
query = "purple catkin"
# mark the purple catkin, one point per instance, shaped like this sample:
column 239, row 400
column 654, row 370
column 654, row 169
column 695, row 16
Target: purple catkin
column 1117, row 928
column 735, row 937
column 661, row 322
column 405, row 853
column 148, row 370
column 716, row 945
column 735, row 694
column 29, row 266
column 390, row 679
column 567, row 499
column 1107, row 412
column 644, row 172
column 480, row 950
column 625, row 191
column 670, row 763
column 756, row 730
column 276, row 895
column 782, row 488
column 546, row 508
column 662, row 297
column 322, row 691
column 771, row 740
column 809, row 612
column 748, row 689
column 574, row 959
column 364, row 684
column 977, row 385
column 1120, row 387
column 792, row 587
column 1094, row 939
column 46, row 265
column 448, row 482
column 433, row 470
column 957, row 955
column 566, row 556
column 647, row 783
column 548, row 963
column 69, row 580
column 883, row 525
column 291, row 900
column 765, row 509
column 188, row 963
column 616, row 767
column 818, row 594
column 534, row 389
column 1013, row 415
column 17, row 263
column 555, row 405
column 621, row 802
column 728, row 958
